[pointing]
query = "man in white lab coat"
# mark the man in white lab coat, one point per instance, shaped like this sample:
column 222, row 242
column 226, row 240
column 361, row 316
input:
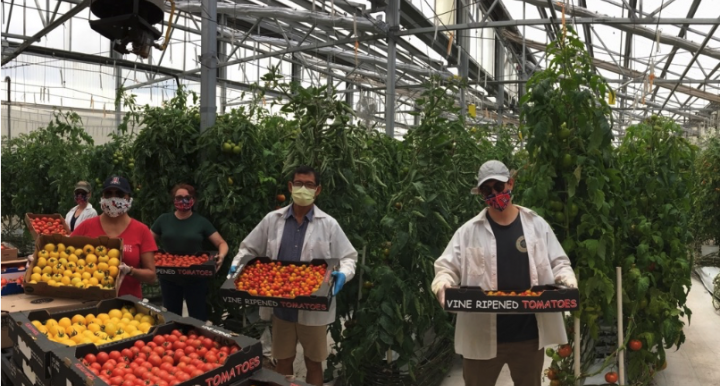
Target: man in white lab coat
column 301, row 232
column 505, row 247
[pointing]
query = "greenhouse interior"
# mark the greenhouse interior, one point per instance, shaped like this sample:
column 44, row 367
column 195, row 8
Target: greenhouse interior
column 360, row 192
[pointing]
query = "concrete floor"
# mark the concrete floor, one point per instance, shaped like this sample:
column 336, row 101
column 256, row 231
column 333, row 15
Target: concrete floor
column 695, row 364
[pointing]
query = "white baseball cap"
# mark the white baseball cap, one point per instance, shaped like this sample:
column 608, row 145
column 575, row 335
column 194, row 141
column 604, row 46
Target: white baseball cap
column 491, row 170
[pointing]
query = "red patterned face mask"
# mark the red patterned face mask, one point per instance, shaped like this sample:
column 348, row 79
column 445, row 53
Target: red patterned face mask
column 499, row 201
column 184, row 205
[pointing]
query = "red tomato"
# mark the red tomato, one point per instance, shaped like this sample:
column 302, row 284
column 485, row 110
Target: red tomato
column 127, row 353
column 196, row 373
column 154, row 360
column 90, row 359
column 207, row 367
column 159, row 339
column 96, row 366
column 159, row 350
column 147, row 365
column 211, row 358
column 208, row 343
column 176, row 333
column 178, row 345
column 189, row 350
column 168, row 359
column 118, row 372
column 139, row 344
column 115, row 355
column 151, row 344
column 102, row 357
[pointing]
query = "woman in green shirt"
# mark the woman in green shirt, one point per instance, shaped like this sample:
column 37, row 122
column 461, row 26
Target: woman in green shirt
column 183, row 232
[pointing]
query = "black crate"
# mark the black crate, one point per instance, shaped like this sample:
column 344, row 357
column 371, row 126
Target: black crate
column 266, row 377
column 33, row 346
column 554, row 298
column 319, row 301
column 206, row 269
column 68, row 369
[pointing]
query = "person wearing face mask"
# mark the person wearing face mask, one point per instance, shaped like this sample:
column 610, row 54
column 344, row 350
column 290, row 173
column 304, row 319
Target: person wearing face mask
column 138, row 259
column 505, row 247
column 300, row 232
column 183, row 232
column 83, row 210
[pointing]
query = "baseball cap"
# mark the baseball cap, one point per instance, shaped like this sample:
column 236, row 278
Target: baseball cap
column 84, row 186
column 119, row 183
column 491, row 170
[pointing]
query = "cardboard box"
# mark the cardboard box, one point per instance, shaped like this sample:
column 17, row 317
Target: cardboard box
column 92, row 293
column 552, row 298
column 13, row 273
column 23, row 302
column 318, row 301
column 35, row 347
column 68, row 369
column 26, row 374
column 206, row 269
column 30, row 216
column 9, row 254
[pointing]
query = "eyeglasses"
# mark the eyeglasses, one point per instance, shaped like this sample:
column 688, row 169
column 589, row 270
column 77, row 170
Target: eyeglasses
column 183, row 198
column 299, row 184
column 80, row 193
column 113, row 193
column 487, row 190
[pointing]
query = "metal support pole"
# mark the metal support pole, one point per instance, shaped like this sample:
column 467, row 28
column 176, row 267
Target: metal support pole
column 499, row 75
column 118, row 85
column 9, row 106
column 393, row 19
column 222, row 71
column 350, row 95
column 296, row 69
column 523, row 71
column 463, row 51
column 209, row 63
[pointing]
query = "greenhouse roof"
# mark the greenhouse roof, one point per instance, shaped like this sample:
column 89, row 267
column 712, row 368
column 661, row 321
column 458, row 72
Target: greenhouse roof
column 659, row 55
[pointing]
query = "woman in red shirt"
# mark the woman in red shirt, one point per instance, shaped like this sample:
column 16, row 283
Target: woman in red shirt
column 138, row 261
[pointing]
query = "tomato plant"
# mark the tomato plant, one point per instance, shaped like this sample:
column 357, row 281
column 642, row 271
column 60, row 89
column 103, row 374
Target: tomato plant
column 655, row 239
column 571, row 179
column 165, row 153
column 41, row 168
column 706, row 193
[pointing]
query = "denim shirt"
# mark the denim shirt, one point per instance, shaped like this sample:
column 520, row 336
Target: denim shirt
column 291, row 247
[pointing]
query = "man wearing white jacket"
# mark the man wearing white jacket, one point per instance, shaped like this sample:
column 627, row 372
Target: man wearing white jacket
column 301, row 232
column 505, row 247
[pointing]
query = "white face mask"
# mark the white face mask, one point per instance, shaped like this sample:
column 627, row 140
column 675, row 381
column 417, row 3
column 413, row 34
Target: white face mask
column 303, row 196
column 115, row 206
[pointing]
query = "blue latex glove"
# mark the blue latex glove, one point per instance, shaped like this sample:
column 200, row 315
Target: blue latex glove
column 231, row 273
column 339, row 281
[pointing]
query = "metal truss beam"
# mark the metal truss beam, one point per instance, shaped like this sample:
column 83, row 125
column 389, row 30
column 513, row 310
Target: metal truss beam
column 681, row 34
column 612, row 67
column 588, row 35
column 635, row 26
column 628, row 35
column 692, row 61
column 56, row 23
column 128, row 64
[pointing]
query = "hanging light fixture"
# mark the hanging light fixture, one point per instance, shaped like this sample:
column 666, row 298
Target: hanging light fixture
column 130, row 22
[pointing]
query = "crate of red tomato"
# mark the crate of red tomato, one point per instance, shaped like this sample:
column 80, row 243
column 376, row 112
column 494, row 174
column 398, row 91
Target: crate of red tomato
column 46, row 224
column 265, row 282
column 184, row 352
column 198, row 265
column 543, row 298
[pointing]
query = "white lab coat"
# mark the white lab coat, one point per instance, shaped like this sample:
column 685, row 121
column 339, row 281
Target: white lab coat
column 471, row 260
column 87, row 213
column 324, row 239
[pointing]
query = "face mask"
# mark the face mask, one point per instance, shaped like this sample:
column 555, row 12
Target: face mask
column 184, row 205
column 80, row 198
column 499, row 201
column 303, row 196
column 115, row 206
